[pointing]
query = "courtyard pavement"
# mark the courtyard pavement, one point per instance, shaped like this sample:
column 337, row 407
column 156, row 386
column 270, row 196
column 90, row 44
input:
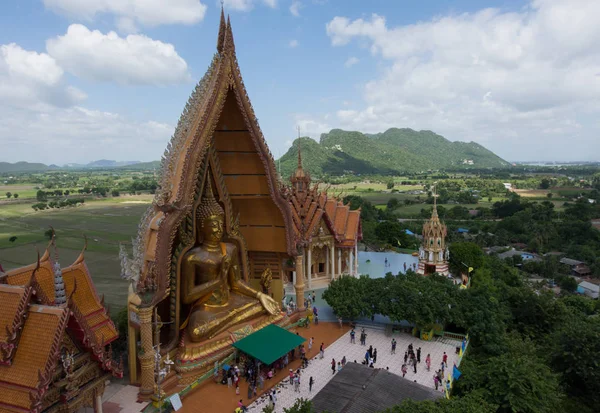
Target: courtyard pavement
column 320, row 369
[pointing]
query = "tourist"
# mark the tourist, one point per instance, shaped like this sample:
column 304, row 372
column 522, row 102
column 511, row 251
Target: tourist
column 352, row 335
column 405, row 356
column 261, row 382
column 332, row 366
column 343, row 361
column 341, row 322
column 404, row 267
column 242, row 407
column 393, row 346
column 419, row 355
column 314, row 297
column 286, row 360
column 237, row 390
column 229, row 379
column 375, row 356
column 316, row 319
column 370, row 351
column 445, row 359
column 291, row 376
column 273, row 398
column 410, row 348
column 311, row 381
column 322, row 350
column 385, row 263
column 310, row 343
column 367, row 357
column 436, row 381
column 428, row 362
column 414, row 362
column 371, row 364
column 297, row 384
column 250, row 390
column 339, row 367
column 404, row 370
column 270, row 374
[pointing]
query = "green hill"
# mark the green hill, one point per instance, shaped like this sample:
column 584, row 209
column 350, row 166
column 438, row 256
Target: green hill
column 6, row 167
column 393, row 152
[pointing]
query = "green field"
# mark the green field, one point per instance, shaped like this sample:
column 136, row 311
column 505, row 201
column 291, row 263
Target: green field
column 105, row 222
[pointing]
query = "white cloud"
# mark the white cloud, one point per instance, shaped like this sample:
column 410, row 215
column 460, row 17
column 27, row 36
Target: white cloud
column 31, row 79
column 245, row 5
column 135, row 59
column 129, row 13
column 351, row 61
column 509, row 80
column 295, row 8
column 76, row 134
column 311, row 127
column 293, row 43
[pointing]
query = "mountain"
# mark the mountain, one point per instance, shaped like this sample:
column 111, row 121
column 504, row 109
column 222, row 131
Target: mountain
column 6, row 167
column 395, row 151
column 105, row 163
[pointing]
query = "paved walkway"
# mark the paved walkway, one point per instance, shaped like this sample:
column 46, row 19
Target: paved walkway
column 320, row 369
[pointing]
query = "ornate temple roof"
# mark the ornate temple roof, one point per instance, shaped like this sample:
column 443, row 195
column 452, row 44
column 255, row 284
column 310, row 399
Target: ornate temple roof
column 34, row 325
column 309, row 206
column 434, row 228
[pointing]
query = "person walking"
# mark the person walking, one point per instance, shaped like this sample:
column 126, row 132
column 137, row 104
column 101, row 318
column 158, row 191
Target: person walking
column 339, row 367
column 352, row 337
column 311, row 381
column 297, row 383
column 428, row 361
column 341, row 322
column 419, row 355
column 322, row 350
column 332, row 366
column 404, row 370
column 405, row 356
column 367, row 357
column 375, row 356
column 291, row 376
column 414, row 361
column 445, row 359
column 314, row 297
column 393, row 346
column 310, row 343
column 343, row 361
column 436, row 381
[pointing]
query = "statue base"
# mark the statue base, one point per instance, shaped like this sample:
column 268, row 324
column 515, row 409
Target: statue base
column 196, row 359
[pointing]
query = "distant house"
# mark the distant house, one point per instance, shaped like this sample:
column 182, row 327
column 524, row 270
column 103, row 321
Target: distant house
column 589, row 289
column 507, row 185
column 409, row 232
column 526, row 256
column 462, row 231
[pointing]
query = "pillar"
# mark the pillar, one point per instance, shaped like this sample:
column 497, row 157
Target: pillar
column 339, row 261
column 147, row 357
column 299, row 286
column 356, row 259
column 332, row 261
column 98, row 404
column 327, row 269
column 309, row 266
column 351, row 259
column 132, row 348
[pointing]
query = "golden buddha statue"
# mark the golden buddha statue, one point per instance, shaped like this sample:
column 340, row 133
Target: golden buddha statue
column 212, row 280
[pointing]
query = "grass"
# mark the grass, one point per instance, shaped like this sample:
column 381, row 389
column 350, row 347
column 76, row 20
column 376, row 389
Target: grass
column 106, row 223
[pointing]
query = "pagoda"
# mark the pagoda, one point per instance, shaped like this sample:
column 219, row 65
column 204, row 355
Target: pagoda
column 433, row 253
column 55, row 338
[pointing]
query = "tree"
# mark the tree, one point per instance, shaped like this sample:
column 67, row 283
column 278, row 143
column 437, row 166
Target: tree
column 115, row 192
column 8, row 194
column 568, row 284
column 67, row 192
column 49, row 233
column 15, row 196
column 345, row 297
column 301, row 406
column 464, row 255
column 468, row 404
column 390, row 184
column 12, row 239
column 41, row 196
column 392, row 204
column 545, row 183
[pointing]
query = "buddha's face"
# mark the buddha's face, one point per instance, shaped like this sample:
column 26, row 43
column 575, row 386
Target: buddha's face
column 212, row 228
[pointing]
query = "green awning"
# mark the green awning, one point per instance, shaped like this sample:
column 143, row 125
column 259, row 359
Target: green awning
column 269, row 343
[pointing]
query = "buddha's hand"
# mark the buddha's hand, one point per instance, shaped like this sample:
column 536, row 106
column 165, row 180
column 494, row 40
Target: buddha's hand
column 268, row 303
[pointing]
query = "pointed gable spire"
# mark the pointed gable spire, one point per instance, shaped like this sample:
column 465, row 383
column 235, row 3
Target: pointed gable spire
column 299, row 150
column 222, row 30
column 60, row 297
column 228, row 44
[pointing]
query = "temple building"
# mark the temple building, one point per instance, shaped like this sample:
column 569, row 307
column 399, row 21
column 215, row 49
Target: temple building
column 433, row 253
column 222, row 236
column 55, row 335
column 327, row 229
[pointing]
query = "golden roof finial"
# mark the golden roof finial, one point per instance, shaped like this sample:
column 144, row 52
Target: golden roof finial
column 222, row 29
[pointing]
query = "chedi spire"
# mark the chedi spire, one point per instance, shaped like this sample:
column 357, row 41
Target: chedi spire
column 60, row 297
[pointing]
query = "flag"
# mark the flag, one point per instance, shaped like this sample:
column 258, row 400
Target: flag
column 456, row 372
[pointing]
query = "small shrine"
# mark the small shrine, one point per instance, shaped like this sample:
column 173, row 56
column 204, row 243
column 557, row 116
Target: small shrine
column 55, row 338
column 433, row 252
column 327, row 229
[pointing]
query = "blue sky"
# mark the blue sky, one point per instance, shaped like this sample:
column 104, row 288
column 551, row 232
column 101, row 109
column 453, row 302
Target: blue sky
column 521, row 78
